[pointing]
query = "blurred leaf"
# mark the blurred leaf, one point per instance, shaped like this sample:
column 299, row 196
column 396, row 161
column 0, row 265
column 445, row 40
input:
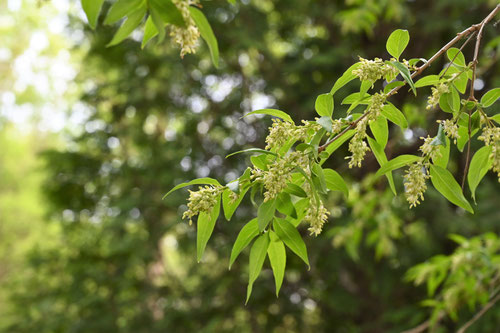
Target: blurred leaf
column 379, row 153
column 490, row 97
column 120, row 9
column 92, row 9
column 396, row 163
column 265, row 213
column 335, row 182
column 133, row 20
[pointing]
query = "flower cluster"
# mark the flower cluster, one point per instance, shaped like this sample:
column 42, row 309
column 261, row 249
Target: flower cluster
column 450, row 129
column 357, row 145
column 437, row 91
column 186, row 37
column 373, row 70
column 336, row 126
column 279, row 174
column 316, row 216
column 202, row 200
column 429, row 149
column 491, row 137
column 281, row 132
column 414, row 181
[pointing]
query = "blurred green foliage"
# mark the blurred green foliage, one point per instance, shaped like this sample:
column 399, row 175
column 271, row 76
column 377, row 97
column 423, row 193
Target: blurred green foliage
column 123, row 261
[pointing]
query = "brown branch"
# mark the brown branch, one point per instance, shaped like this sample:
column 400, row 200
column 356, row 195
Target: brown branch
column 425, row 325
column 479, row 314
column 419, row 70
column 471, row 88
column 456, row 54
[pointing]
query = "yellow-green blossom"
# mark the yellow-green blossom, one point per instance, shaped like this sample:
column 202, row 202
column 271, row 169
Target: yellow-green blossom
column 428, row 149
column 279, row 173
column 450, row 129
column 373, row 70
column 491, row 137
column 437, row 91
column 316, row 216
column 202, row 200
column 414, row 181
column 187, row 37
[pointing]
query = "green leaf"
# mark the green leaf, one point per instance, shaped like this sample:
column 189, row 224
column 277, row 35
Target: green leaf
column 461, row 82
column 397, row 42
column 440, row 139
column 272, row 112
column 291, row 237
column 257, row 256
column 388, row 87
column 326, row 123
column 277, row 257
column 396, row 163
column 265, row 213
column 150, row 31
column 285, row 206
column 247, row 233
column 92, row 9
column 120, row 9
column 429, row 80
column 335, row 182
column 229, row 205
column 444, row 102
column 356, row 98
column 295, row 190
column 490, row 97
column 324, row 105
column 206, row 33
column 444, row 182
column 405, row 73
column 394, row 115
column 199, row 181
column 260, row 161
column 456, row 56
column 379, row 153
column 444, row 155
column 133, row 20
column 463, row 136
column 158, row 23
column 339, row 142
column 318, row 178
column 454, row 100
column 380, row 130
column 347, row 77
column 205, row 227
column 168, row 13
column 479, row 166
column 496, row 118
column 252, row 150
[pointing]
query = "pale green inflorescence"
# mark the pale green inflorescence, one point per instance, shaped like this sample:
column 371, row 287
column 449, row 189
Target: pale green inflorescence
column 316, row 216
column 437, row 91
column 414, row 180
column 357, row 145
column 279, row 173
column 281, row 132
column 418, row 172
column 187, row 37
column 202, row 200
column 373, row 70
column 450, row 129
column 491, row 137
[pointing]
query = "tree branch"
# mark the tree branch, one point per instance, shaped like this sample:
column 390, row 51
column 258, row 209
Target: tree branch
column 479, row 314
column 419, row 70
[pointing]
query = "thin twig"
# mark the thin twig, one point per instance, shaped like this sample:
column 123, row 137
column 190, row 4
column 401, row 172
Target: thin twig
column 425, row 325
column 456, row 54
column 471, row 89
column 445, row 48
column 479, row 314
